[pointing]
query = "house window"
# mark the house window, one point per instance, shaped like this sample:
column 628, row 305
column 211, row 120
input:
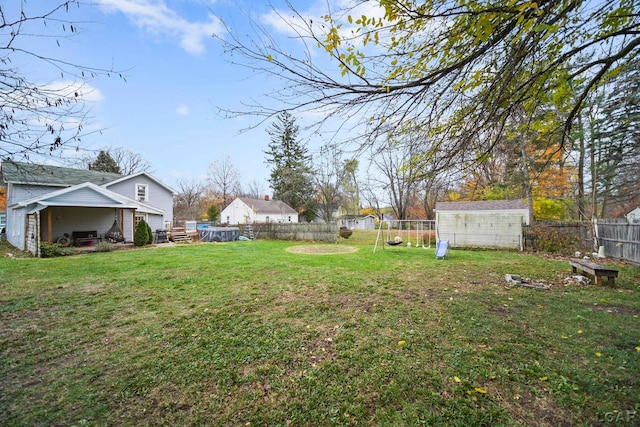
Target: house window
column 267, row 218
column 142, row 192
column 140, row 217
column 3, row 220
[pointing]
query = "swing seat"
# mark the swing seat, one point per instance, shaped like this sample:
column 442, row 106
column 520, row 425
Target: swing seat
column 394, row 243
column 442, row 248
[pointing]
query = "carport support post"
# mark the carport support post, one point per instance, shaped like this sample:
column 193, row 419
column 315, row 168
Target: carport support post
column 49, row 226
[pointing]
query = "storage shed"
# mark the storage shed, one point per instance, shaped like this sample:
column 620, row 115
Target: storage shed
column 486, row 223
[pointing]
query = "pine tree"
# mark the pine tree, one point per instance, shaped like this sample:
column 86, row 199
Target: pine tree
column 291, row 173
column 141, row 234
column 105, row 163
column 617, row 149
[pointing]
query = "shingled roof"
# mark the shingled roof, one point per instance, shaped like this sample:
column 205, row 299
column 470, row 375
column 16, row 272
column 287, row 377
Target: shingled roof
column 268, row 206
column 55, row 176
column 482, row 205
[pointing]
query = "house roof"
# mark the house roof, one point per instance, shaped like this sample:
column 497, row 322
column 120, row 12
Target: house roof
column 107, row 199
column 268, row 206
column 54, row 176
column 350, row 216
column 482, row 205
column 129, row 177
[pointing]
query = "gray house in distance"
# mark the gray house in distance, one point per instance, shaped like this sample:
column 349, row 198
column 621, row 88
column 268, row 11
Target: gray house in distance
column 50, row 203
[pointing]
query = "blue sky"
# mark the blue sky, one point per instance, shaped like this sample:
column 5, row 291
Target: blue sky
column 176, row 78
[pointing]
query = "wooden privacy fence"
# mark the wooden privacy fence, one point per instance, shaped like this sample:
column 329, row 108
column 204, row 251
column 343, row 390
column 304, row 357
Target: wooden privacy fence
column 313, row 232
column 620, row 240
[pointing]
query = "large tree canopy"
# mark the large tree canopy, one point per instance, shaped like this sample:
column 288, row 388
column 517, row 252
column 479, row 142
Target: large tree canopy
column 453, row 68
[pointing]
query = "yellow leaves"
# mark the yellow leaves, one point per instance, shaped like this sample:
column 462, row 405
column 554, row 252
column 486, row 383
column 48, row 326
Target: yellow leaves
column 543, row 378
column 638, row 348
column 332, row 41
column 402, row 343
column 483, row 28
column 598, row 354
column 479, row 390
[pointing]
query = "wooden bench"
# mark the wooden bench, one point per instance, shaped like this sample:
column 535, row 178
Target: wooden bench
column 81, row 237
column 597, row 271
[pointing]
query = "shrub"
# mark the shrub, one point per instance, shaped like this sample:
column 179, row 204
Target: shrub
column 104, row 247
column 556, row 241
column 150, row 231
column 141, row 235
column 52, row 250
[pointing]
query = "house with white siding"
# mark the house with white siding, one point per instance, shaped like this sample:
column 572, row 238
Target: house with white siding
column 247, row 210
column 357, row 222
column 485, row 223
column 51, row 203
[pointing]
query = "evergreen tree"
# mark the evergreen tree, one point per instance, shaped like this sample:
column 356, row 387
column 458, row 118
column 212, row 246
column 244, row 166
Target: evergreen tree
column 141, row 234
column 105, row 163
column 213, row 213
column 617, row 142
column 291, row 175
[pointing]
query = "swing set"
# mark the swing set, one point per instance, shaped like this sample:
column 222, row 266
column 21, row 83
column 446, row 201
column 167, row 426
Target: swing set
column 405, row 230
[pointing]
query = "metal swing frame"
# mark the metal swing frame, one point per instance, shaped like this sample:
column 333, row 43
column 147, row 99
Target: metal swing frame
column 419, row 225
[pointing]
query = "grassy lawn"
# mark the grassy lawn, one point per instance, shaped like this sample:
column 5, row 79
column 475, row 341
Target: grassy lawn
column 249, row 333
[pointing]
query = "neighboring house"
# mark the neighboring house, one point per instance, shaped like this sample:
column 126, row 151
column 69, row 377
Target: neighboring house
column 633, row 217
column 322, row 210
column 45, row 203
column 358, row 222
column 245, row 210
column 491, row 223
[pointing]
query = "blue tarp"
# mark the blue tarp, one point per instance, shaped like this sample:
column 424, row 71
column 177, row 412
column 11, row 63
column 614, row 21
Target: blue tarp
column 219, row 234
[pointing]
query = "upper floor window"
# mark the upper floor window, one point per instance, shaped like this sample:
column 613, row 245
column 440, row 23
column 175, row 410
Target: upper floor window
column 142, row 192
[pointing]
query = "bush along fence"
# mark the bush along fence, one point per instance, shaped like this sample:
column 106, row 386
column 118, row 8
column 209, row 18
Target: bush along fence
column 619, row 239
column 559, row 237
column 311, row 232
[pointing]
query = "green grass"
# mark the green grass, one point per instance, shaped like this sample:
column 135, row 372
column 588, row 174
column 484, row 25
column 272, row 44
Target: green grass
column 247, row 333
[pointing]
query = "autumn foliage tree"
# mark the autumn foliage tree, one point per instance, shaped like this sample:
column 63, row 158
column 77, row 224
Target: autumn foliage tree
column 469, row 71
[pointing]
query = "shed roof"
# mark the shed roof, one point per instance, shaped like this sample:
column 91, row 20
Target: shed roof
column 268, row 206
column 482, row 205
column 55, row 176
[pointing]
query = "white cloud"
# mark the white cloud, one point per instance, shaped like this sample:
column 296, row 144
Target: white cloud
column 183, row 110
column 83, row 92
column 287, row 22
column 156, row 18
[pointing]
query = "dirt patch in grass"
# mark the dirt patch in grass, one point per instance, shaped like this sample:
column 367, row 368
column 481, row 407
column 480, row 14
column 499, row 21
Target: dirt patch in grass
column 321, row 249
column 615, row 309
